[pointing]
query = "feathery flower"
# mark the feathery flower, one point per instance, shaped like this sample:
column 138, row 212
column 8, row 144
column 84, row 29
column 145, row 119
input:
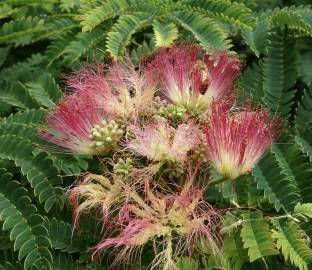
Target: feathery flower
column 121, row 90
column 95, row 192
column 161, row 142
column 191, row 82
column 79, row 125
column 185, row 217
column 236, row 141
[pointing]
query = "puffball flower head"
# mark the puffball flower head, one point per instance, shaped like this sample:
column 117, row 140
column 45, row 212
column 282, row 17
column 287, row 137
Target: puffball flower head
column 191, row 78
column 95, row 192
column 174, row 221
column 160, row 142
column 80, row 126
column 123, row 90
column 236, row 141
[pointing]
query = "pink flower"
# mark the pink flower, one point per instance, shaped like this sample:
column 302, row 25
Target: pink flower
column 80, row 126
column 236, row 141
column 161, row 218
column 191, row 82
column 95, row 192
column 122, row 90
column 161, row 142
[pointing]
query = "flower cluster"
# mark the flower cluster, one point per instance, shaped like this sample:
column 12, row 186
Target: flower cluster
column 172, row 115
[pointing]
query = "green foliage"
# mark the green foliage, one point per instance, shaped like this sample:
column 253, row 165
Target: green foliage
column 278, row 189
column 294, row 18
column 21, row 31
column 304, row 210
column 200, row 18
column 234, row 250
column 45, row 90
column 120, row 35
column 305, row 144
column 257, row 39
column 41, row 41
column 303, row 117
column 280, row 73
column 289, row 239
column 165, row 33
column 209, row 33
column 25, row 225
column 256, row 236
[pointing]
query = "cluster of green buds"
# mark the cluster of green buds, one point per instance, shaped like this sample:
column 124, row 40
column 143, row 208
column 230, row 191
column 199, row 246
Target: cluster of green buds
column 123, row 167
column 173, row 113
column 105, row 135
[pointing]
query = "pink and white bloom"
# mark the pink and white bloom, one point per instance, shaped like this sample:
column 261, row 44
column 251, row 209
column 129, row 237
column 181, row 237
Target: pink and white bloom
column 160, row 142
column 160, row 218
column 236, row 141
column 122, row 90
column 95, row 192
column 191, row 78
column 80, row 126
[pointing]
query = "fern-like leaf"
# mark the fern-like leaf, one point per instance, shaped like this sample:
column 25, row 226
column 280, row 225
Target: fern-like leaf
column 234, row 250
column 83, row 43
column 24, row 223
column 45, row 90
column 57, row 48
column 251, row 81
column 24, row 71
column 63, row 237
column 279, row 190
column 120, row 34
column 165, row 33
column 63, row 261
column 304, row 210
column 38, row 169
column 21, row 31
column 58, row 28
column 107, row 10
column 209, row 33
column 289, row 239
column 280, row 73
column 257, row 39
column 7, row 10
column 256, row 236
column 237, row 14
column 15, row 94
column 295, row 166
column 303, row 118
column 305, row 144
column 293, row 18
column 26, row 117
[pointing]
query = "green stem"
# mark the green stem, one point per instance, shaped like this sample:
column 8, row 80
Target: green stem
column 216, row 182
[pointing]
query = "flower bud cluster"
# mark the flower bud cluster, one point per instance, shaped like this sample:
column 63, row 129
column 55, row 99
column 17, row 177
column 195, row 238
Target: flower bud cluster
column 105, row 135
column 173, row 113
column 123, row 167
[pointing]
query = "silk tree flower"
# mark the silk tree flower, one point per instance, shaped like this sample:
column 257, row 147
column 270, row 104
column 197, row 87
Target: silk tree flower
column 79, row 126
column 192, row 82
column 122, row 90
column 95, row 192
column 160, row 142
column 160, row 218
column 236, row 141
